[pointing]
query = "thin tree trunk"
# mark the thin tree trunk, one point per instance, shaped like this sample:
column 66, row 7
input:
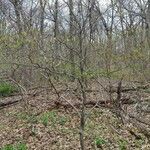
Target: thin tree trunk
column 56, row 31
column 71, row 31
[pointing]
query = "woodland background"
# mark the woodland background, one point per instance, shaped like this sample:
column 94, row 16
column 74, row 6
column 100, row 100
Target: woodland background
column 66, row 60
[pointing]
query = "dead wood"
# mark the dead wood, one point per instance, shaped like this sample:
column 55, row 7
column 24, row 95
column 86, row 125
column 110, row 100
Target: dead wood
column 127, row 89
column 89, row 104
column 9, row 103
column 141, row 125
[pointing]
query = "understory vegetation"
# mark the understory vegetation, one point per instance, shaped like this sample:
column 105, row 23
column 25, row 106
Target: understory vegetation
column 6, row 89
column 74, row 74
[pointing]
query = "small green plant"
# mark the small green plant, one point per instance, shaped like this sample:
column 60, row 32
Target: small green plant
column 52, row 117
column 139, row 143
column 22, row 116
column 99, row 142
column 45, row 119
column 19, row 146
column 6, row 89
column 8, row 147
column 122, row 144
column 49, row 117
column 32, row 119
column 62, row 120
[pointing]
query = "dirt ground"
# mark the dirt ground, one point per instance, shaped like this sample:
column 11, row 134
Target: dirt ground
column 36, row 123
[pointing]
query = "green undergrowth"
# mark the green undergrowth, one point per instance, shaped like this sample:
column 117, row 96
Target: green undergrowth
column 52, row 118
column 49, row 118
column 7, row 89
column 116, row 72
column 98, row 129
column 19, row 146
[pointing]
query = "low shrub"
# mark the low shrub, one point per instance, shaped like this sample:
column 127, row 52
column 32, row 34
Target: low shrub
column 99, row 142
column 7, row 89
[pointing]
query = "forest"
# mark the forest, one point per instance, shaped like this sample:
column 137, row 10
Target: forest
column 74, row 74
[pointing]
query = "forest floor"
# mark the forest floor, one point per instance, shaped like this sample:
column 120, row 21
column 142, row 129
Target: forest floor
column 36, row 123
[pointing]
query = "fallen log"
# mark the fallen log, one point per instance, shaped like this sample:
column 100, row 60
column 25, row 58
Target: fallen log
column 127, row 89
column 97, row 104
column 66, row 105
column 9, row 103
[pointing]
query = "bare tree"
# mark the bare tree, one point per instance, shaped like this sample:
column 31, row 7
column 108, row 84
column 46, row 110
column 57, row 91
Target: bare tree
column 71, row 34
column 18, row 10
column 148, row 22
